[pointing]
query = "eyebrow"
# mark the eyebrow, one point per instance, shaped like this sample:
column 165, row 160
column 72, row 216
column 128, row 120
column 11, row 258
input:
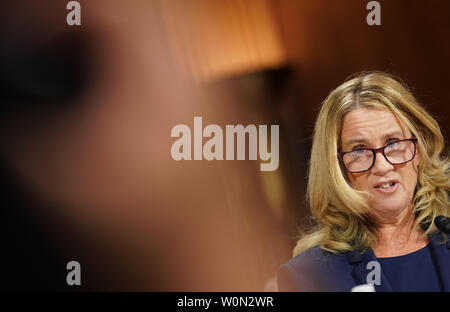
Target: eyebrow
column 363, row 140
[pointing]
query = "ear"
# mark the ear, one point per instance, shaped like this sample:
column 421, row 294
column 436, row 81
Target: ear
column 416, row 160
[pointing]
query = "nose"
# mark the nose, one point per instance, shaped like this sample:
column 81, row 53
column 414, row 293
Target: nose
column 381, row 165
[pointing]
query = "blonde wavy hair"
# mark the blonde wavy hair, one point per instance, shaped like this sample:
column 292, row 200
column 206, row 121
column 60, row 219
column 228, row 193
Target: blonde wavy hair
column 340, row 212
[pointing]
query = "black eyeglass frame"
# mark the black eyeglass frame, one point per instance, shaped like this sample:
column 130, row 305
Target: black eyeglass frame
column 375, row 151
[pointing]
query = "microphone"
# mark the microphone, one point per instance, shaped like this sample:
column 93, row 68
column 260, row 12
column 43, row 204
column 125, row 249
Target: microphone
column 443, row 224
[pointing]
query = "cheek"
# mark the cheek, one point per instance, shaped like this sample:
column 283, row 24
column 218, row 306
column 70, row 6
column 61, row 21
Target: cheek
column 411, row 177
column 358, row 181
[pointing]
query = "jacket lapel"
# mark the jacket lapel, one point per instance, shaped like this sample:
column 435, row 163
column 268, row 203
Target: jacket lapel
column 441, row 257
column 361, row 269
column 439, row 251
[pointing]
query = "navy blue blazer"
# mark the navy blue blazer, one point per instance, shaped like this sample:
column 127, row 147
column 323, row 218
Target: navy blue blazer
column 319, row 270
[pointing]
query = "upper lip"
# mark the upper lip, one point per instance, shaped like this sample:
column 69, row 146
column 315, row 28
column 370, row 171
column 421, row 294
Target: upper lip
column 386, row 182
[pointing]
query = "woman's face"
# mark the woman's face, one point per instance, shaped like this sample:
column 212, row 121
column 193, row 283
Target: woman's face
column 374, row 128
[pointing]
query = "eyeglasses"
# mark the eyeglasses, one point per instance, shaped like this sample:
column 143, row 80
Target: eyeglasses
column 396, row 153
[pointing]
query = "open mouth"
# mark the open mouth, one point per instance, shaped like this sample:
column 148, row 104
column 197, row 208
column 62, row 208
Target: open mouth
column 386, row 186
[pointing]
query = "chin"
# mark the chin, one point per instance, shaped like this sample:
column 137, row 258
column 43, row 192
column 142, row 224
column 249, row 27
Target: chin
column 390, row 206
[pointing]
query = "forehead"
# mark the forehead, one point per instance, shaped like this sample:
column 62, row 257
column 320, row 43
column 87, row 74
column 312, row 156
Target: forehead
column 370, row 125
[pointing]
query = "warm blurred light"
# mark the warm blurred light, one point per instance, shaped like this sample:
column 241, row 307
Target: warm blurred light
column 135, row 218
column 213, row 39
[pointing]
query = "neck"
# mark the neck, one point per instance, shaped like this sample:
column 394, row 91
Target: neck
column 397, row 235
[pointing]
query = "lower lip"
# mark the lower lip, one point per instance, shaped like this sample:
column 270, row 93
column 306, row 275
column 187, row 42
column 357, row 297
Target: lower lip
column 388, row 190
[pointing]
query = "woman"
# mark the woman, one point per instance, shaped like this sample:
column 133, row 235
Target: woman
column 377, row 181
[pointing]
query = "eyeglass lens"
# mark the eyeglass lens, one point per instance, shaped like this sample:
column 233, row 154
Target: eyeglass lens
column 395, row 153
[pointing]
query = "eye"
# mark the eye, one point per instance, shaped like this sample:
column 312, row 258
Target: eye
column 392, row 140
column 392, row 143
column 358, row 147
column 358, row 152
